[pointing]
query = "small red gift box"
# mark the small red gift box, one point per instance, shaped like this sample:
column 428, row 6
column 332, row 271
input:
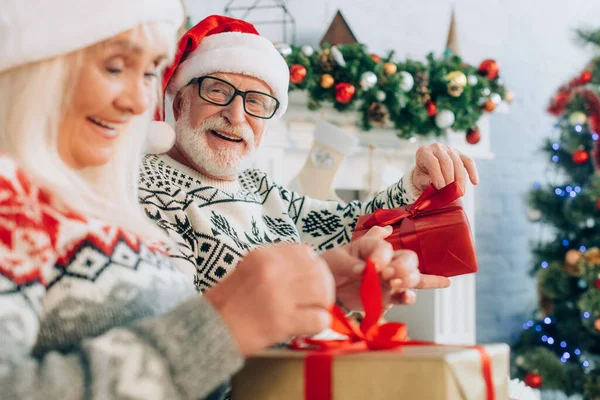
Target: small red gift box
column 435, row 227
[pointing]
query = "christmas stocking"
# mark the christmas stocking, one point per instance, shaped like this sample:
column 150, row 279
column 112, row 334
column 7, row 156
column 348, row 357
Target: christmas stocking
column 330, row 147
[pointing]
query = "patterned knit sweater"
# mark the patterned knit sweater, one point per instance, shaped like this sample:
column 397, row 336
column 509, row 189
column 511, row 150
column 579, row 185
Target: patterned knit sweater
column 90, row 311
column 214, row 223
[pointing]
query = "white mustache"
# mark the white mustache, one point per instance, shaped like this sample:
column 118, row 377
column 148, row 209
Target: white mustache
column 243, row 131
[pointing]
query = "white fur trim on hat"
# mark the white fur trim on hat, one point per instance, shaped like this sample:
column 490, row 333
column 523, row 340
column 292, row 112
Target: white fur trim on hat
column 160, row 138
column 35, row 30
column 239, row 53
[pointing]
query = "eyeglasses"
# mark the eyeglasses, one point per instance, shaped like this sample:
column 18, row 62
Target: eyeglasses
column 219, row 92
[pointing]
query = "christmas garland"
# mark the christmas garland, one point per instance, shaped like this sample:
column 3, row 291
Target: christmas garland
column 416, row 98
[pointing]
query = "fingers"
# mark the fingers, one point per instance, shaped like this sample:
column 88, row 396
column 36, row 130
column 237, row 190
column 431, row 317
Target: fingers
column 469, row 165
column 379, row 232
column 446, row 163
column 443, row 165
column 402, row 271
column 433, row 282
column 460, row 174
column 429, row 164
column 406, row 297
column 311, row 320
column 378, row 250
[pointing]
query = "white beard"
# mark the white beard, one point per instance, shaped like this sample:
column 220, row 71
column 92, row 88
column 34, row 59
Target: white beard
column 219, row 163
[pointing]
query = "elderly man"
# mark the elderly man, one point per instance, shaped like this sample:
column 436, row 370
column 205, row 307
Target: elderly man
column 227, row 83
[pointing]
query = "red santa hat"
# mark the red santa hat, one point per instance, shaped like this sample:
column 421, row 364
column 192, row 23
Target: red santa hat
column 220, row 44
column 228, row 45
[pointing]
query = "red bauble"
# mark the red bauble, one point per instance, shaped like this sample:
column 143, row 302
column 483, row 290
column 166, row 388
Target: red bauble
column 586, row 77
column 344, row 92
column 580, row 157
column 431, row 109
column 598, row 204
column 375, row 58
column 297, row 73
column 597, row 283
column 489, row 68
column 533, row 380
column 473, row 135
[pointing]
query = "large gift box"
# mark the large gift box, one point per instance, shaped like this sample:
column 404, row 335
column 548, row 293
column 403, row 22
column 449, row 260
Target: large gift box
column 409, row 373
column 374, row 361
column 435, row 227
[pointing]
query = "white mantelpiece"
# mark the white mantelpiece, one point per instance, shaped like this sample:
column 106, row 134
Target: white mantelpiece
column 444, row 316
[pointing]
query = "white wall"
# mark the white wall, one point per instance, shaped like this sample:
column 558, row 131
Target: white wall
column 533, row 41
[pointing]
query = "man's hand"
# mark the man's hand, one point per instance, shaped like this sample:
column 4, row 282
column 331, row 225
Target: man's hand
column 398, row 270
column 442, row 165
column 274, row 293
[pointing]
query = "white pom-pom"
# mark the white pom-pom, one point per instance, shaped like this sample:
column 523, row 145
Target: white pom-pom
column 160, row 138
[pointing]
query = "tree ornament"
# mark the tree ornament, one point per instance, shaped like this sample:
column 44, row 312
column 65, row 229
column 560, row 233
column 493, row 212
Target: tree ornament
column 444, row 119
column 473, row 135
column 590, row 222
column 577, row 118
column 520, row 360
column 338, row 56
column 580, row 156
column 597, row 324
column 472, row 80
column 592, row 256
column 509, row 96
column 389, row 68
column 585, row 77
column 598, row 204
column 533, row 380
column 375, row 58
column 407, row 81
column 381, row 96
column 496, row 98
column 597, row 283
column 326, row 61
column 421, row 81
column 533, row 214
column 489, row 68
column 327, row 81
column 572, row 257
column 489, row 105
column 582, row 284
column 486, row 92
column 307, row 50
column 368, row 80
column 297, row 73
column 344, row 92
column 378, row 114
column 457, row 81
column 431, row 109
column 284, row 49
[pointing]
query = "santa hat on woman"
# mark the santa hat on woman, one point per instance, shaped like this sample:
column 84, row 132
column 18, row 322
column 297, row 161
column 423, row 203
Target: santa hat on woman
column 228, row 45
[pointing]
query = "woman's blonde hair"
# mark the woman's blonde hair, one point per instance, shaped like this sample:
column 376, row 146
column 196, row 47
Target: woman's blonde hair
column 33, row 100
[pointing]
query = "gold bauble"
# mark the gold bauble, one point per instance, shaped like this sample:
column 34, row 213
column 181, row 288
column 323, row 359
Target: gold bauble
column 457, row 81
column 597, row 324
column 327, row 81
column 390, row 68
column 592, row 256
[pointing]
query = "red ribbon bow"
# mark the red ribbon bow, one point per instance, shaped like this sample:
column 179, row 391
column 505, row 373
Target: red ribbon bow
column 430, row 201
column 369, row 336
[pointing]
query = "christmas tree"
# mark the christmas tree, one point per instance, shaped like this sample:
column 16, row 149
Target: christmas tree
column 559, row 348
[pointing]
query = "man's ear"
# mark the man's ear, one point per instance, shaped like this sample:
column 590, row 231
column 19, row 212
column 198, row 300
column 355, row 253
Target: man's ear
column 177, row 103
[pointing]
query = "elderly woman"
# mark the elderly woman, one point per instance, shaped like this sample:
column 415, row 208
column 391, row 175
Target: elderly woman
column 90, row 304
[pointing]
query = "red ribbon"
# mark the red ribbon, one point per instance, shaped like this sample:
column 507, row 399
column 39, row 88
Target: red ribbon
column 431, row 200
column 369, row 336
